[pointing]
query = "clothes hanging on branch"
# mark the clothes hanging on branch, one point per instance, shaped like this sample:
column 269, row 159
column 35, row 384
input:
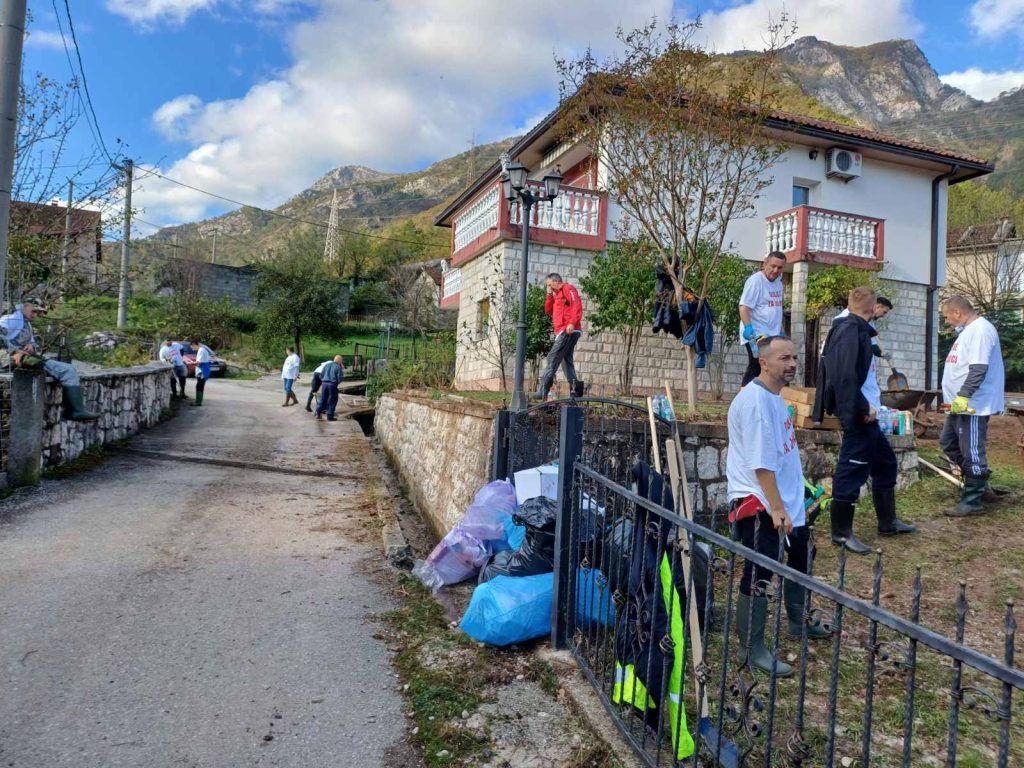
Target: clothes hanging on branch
column 691, row 321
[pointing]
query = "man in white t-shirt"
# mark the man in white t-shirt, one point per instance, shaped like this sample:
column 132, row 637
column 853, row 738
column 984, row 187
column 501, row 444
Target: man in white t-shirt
column 170, row 353
column 289, row 373
column 766, row 495
column 314, row 387
column 972, row 383
column 761, row 309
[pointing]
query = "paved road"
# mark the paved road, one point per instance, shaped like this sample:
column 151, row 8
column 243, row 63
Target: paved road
column 157, row 612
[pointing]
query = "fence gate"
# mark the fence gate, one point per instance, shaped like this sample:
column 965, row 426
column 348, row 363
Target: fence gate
column 879, row 689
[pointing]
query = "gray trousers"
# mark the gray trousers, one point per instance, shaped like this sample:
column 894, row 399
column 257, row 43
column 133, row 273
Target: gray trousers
column 561, row 353
column 963, row 440
column 65, row 373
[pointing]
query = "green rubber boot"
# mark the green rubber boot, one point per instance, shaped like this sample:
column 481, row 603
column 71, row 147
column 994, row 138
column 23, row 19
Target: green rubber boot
column 76, row 410
column 970, row 499
column 199, row 398
column 793, row 596
column 751, row 613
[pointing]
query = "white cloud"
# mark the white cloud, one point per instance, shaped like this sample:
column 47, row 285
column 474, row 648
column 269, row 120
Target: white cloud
column 995, row 18
column 171, row 117
column 42, row 38
column 149, row 11
column 984, row 85
column 838, row 21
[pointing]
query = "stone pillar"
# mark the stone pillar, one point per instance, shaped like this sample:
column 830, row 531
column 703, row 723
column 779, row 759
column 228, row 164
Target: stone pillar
column 798, row 315
column 28, row 402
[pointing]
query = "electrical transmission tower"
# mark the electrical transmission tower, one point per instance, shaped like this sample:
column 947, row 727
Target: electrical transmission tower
column 331, row 245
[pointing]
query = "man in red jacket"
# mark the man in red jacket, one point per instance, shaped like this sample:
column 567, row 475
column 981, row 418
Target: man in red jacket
column 566, row 309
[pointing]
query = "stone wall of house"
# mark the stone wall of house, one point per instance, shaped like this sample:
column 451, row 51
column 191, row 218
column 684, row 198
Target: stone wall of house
column 128, row 399
column 441, row 449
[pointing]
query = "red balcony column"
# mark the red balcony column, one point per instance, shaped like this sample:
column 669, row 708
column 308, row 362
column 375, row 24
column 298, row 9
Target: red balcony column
column 801, row 233
column 880, row 241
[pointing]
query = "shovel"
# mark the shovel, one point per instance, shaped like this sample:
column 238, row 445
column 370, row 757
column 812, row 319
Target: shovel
column 897, row 382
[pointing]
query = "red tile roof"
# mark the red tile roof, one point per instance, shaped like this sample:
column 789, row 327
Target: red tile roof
column 48, row 220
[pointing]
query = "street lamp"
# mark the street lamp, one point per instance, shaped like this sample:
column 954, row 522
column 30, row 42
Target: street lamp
column 515, row 187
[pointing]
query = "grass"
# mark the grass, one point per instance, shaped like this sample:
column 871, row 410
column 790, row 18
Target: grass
column 87, row 461
column 318, row 349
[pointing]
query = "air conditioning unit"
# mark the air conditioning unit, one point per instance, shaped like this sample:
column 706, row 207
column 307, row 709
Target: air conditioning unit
column 842, row 164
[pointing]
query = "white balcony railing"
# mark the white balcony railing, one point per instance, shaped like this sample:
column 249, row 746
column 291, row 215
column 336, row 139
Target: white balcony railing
column 451, row 283
column 572, row 211
column 807, row 230
column 478, row 218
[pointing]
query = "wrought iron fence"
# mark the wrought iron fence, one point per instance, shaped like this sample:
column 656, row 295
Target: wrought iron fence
column 633, row 577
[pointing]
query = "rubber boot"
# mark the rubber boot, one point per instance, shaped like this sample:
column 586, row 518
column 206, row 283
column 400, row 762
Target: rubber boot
column 76, row 410
column 293, row 398
column 287, row 400
column 751, row 614
column 842, row 527
column 793, row 596
column 970, row 499
column 199, row 398
column 993, row 495
column 885, row 511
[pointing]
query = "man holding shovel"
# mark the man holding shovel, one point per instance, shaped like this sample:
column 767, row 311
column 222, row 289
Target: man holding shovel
column 766, row 499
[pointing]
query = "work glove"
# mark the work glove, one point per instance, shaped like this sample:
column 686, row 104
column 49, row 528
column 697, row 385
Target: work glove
column 887, row 357
column 960, row 405
column 748, row 332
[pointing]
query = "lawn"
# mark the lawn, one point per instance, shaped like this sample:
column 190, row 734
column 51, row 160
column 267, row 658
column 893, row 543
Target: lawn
column 319, row 349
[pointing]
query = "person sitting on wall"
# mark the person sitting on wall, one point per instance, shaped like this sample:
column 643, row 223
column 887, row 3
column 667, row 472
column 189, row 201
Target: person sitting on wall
column 23, row 351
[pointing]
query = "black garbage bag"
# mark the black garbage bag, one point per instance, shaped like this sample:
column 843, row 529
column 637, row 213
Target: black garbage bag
column 537, row 552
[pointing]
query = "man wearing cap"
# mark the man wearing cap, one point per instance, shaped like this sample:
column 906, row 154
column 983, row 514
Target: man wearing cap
column 22, row 348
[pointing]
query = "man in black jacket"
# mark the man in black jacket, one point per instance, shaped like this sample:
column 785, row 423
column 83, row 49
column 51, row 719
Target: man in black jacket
column 846, row 388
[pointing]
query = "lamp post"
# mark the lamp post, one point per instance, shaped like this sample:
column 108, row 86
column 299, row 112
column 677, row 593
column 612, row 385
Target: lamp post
column 514, row 186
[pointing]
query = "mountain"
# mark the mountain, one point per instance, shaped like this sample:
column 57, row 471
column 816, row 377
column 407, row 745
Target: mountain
column 367, row 199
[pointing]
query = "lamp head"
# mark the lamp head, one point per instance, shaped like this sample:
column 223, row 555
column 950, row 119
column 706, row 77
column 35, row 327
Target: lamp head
column 553, row 183
column 517, row 173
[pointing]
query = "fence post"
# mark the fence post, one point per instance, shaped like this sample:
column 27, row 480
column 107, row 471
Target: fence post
column 499, row 453
column 25, row 449
column 570, row 448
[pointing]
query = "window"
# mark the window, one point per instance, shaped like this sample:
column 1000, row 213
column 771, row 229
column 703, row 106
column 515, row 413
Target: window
column 801, row 195
column 483, row 314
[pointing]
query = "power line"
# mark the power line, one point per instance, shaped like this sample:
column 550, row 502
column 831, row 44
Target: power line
column 85, row 82
column 319, row 224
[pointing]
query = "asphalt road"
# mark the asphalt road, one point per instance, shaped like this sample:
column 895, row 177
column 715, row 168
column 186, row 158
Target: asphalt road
column 156, row 612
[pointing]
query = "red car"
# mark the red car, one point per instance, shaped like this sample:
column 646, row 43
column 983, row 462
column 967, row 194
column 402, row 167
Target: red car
column 218, row 365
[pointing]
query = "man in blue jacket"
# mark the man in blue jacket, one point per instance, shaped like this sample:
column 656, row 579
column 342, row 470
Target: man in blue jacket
column 847, row 388
column 330, row 377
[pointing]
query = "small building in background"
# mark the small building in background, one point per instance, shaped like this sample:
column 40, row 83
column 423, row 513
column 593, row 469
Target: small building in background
column 46, row 224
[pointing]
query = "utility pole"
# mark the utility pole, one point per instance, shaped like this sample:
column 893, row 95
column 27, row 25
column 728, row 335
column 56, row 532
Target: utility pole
column 126, row 239
column 213, row 256
column 12, row 38
column 67, row 238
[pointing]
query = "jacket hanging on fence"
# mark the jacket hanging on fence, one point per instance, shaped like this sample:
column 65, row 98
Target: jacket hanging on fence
column 692, row 321
column 652, row 613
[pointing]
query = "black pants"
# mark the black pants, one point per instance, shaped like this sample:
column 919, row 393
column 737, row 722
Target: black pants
column 328, row 398
column 561, row 353
column 753, row 367
column 865, row 452
column 765, row 540
column 314, row 387
column 964, row 439
column 200, row 385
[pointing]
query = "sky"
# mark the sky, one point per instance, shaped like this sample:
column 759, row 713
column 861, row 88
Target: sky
column 255, row 99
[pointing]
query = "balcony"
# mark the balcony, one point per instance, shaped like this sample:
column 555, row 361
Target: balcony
column 826, row 237
column 577, row 218
column 451, row 284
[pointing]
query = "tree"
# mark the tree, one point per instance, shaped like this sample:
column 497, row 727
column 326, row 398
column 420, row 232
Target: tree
column 830, row 288
column 990, row 275
column 973, row 202
column 680, row 133
column 724, row 291
column 540, row 333
column 297, row 294
column 490, row 336
column 621, row 286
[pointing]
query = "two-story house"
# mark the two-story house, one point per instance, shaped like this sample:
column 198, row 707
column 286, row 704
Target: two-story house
column 839, row 195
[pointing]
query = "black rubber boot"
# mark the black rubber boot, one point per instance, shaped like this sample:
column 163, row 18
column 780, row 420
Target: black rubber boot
column 793, row 596
column 76, row 410
column 842, row 528
column 970, row 499
column 885, row 511
column 751, row 614
column 993, row 495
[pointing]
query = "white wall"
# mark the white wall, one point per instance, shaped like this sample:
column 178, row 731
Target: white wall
column 899, row 194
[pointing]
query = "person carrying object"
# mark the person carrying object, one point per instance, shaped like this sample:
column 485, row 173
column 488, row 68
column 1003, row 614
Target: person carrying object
column 203, row 359
column 882, row 308
column 330, row 377
column 23, row 351
column 766, row 500
column 170, row 353
column 564, row 305
column 848, row 388
column 761, row 309
column 289, row 373
column 314, row 386
column 973, row 382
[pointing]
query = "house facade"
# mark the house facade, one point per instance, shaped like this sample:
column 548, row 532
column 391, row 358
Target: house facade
column 886, row 210
column 49, row 223
column 988, row 261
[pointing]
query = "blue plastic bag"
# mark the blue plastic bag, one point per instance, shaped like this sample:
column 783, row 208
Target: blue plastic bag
column 594, row 604
column 510, row 609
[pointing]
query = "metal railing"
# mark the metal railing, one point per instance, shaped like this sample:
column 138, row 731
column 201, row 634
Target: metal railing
column 880, row 690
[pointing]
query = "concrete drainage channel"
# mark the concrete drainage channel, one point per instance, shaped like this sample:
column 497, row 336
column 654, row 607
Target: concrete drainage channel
column 525, row 706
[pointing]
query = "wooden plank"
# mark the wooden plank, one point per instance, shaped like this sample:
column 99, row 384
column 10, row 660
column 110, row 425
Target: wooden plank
column 798, row 395
column 806, row 422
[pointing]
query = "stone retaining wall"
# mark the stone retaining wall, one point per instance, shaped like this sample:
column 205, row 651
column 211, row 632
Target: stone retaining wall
column 442, row 450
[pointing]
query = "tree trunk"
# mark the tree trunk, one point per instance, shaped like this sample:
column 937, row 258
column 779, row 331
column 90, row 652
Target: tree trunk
column 691, row 380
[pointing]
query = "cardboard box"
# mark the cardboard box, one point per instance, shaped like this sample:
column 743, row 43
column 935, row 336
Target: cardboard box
column 536, row 481
column 806, row 422
column 803, row 395
column 801, row 409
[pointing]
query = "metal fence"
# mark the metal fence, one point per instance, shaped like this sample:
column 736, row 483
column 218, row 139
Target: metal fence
column 879, row 690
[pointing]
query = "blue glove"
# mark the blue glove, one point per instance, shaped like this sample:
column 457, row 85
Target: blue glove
column 748, row 332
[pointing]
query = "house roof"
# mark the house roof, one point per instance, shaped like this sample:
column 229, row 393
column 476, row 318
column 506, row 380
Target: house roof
column 982, row 235
column 48, row 220
column 967, row 166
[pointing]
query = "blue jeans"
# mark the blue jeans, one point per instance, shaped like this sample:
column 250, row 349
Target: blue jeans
column 65, row 373
column 328, row 398
column 288, row 386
